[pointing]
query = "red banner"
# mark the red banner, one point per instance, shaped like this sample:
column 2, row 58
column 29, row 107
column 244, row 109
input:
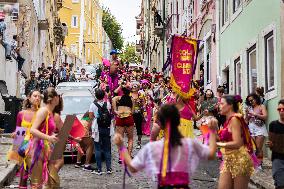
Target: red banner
column 183, row 57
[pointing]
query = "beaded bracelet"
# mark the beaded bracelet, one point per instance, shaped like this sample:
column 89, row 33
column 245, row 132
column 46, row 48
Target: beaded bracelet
column 122, row 149
column 211, row 131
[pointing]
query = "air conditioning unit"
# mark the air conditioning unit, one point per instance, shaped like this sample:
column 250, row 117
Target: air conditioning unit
column 43, row 25
column 59, row 4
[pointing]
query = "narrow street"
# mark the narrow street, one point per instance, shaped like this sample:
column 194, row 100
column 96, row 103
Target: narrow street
column 206, row 176
column 71, row 177
column 84, row 76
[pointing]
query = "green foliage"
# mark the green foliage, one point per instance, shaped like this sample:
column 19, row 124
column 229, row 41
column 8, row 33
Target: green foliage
column 113, row 29
column 129, row 54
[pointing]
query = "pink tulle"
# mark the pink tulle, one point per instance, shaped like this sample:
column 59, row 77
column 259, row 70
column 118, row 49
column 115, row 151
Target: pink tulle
column 113, row 82
column 219, row 154
column 174, row 178
column 256, row 162
column 106, row 62
column 146, row 129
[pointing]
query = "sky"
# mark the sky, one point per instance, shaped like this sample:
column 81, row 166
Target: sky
column 125, row 12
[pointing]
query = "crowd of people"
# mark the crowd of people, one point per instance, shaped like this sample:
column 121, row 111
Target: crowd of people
column 129, row 99
column 50, row 77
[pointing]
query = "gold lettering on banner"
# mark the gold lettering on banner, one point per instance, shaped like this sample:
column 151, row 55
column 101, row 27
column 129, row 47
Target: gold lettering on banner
column 186, row 67
column 186, row 71
column 185, row 55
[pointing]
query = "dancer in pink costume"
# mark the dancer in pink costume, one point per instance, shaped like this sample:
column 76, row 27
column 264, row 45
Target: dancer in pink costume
column 147, row 126
column 146, row 129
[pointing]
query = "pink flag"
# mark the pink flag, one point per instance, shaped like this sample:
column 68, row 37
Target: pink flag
column 184, row 53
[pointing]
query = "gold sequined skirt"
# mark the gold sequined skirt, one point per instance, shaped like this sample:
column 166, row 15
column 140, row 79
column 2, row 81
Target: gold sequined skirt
column 237, row 162
column 186, row 128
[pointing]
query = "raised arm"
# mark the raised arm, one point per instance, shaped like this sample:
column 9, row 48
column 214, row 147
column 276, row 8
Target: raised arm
column 263, row 115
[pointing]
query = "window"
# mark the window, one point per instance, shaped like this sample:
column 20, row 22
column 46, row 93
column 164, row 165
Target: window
column 74, row 21
column 238, row 76
column 236, row 5
column 89, row 29
column 73, row 48
column 98, row 38
column 75, row 1
column 208, row 60
column 225, row 12
column 201, row 63
column 252, row 68
column 177, row 15
column 93, row 34
column 98, row 19
column 191, row 9
column 269, row 62
column 182, row 4
column 226, row 75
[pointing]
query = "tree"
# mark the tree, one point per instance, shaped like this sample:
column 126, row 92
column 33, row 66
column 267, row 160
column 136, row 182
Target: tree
column 129, row 54
column 113, row 29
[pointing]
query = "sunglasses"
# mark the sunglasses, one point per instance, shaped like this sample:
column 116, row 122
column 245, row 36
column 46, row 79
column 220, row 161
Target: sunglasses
column 280, row 109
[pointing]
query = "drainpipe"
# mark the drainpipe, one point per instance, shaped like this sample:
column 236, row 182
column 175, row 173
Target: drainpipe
column 81, row 38
column 164, row 28
column 217, row 36
column 149, row 28
column 282, row 48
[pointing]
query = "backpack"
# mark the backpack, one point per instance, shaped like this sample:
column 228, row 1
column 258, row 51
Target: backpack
column 104, row 118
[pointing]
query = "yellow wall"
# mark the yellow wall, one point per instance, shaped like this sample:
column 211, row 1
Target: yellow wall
column 92, row 32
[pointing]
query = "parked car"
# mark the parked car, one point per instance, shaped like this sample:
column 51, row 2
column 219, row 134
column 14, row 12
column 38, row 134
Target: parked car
column 90, row 69
column 66, row 86
column 75, row 102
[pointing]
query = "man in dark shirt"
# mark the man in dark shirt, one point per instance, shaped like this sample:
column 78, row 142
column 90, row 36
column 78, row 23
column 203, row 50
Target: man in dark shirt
column 31, row 84
column 276, row 144
column 44, row 82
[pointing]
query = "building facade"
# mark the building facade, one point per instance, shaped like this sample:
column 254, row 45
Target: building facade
column 107, row 45
column 83, row 19
column 250, row 49
column 38, row 30
column 201, row 22
column 161, row 19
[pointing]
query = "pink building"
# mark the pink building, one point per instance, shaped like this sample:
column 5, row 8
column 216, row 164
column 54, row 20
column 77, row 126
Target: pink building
column 202, row 26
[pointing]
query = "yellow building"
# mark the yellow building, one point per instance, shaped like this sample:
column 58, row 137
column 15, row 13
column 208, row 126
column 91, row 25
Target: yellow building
column 84, row 38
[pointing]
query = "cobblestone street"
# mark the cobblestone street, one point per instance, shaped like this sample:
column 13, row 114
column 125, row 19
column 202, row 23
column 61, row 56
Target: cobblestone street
column 206, row 176
column 71, row 177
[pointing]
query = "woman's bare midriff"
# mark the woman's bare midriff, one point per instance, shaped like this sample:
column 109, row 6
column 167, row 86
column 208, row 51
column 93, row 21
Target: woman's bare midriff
column 123, row 111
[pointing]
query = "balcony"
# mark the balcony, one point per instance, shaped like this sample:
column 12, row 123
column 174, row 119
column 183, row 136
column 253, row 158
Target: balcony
column 139, row 46
column 43, row 25
column 159, row 24
column 138, row 31
column 59, row 4
column 8, row 1
column 139, row 21
column 170, row 26
column 59, row 32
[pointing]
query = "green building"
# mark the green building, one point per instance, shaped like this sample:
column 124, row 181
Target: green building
column 250, row 42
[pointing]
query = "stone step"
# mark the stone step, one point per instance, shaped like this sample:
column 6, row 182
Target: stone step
column 6, row 135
